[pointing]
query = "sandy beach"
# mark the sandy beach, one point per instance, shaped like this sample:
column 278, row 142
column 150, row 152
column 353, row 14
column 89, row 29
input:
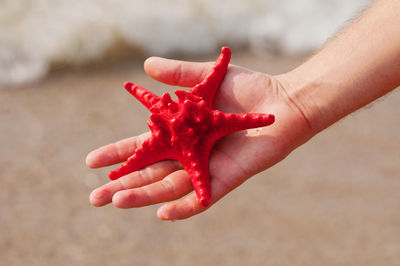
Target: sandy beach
column 333, row 201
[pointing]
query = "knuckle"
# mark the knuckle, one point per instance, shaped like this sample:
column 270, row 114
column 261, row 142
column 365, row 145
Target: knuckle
column 178, row 74
column 119, row 149
column 143, row 176
column 168, row 185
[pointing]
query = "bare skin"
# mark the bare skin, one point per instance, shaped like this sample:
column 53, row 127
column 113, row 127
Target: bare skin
column 359, row 66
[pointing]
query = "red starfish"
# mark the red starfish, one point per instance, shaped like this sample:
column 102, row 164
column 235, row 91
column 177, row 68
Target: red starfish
column 186, row 129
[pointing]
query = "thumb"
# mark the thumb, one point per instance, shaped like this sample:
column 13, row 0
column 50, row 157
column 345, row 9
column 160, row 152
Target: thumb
column 175, row 72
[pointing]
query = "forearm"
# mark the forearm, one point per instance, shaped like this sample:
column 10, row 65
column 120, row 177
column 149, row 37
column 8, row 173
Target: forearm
column 359, row 66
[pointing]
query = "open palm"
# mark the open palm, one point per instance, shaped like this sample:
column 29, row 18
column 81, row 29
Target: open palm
column 234, row 158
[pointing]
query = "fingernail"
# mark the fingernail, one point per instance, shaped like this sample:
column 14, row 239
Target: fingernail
column 116, row 199
column 95, row 198
column 89, row 159
column 162, row 213
column 150, row 60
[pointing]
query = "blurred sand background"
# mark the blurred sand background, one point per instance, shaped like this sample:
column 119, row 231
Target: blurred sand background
column 333, row 201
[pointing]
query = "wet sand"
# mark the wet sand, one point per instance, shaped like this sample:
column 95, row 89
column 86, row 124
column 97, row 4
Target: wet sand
column 333, row 201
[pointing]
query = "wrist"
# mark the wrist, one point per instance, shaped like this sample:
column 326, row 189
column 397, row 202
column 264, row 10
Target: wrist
column 353, row 70
column 302, row 93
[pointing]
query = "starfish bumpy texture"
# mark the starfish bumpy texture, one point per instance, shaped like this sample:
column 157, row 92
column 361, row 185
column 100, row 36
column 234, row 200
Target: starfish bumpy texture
column 186, row 129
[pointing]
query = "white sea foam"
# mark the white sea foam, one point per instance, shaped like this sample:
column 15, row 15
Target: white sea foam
column 34, row 34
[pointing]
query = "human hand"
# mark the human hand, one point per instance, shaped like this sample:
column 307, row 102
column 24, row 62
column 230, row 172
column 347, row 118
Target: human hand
column 354, row 69
column 233, row 160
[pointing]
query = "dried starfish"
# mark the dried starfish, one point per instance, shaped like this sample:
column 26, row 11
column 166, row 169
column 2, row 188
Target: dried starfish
column 186, row 129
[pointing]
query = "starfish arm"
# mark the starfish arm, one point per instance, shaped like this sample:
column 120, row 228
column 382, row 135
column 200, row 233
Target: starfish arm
column 227, row 123
column 148, row 154
column 146, row 97
column 159, row 127
column 210, row 84
column 196, row 164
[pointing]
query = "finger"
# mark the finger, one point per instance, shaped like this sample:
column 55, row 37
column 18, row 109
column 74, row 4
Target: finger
column 171, row 187
column 189, row 206
column 175, row 72
column 116, row 152
column 180, row 209
column 155, row 172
